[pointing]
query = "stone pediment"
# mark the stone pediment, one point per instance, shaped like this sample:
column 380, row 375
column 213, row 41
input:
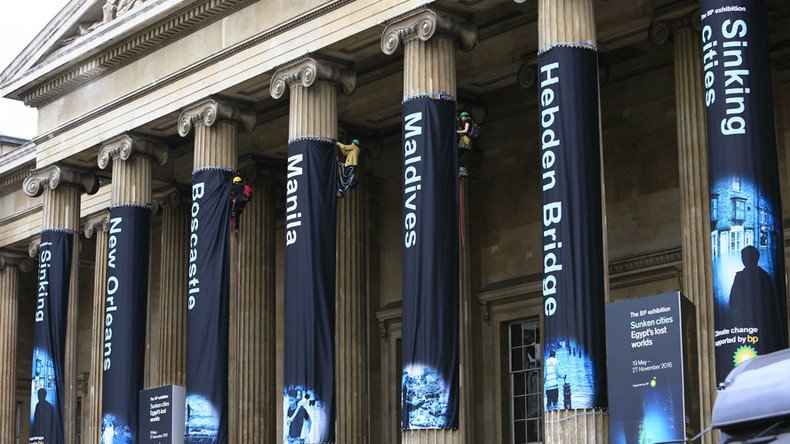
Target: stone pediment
column 90, row 38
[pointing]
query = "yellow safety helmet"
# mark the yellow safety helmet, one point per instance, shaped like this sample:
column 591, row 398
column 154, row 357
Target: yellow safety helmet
column 236, row 179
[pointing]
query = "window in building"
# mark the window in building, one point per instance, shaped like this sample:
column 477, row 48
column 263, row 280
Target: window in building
column 714, row 207
column 763, row 216
column 736, row 241
column 736, row 184
column 526, row 394
column 740, row 209
column 748, row 237
column 714, row 243
column 724, row 242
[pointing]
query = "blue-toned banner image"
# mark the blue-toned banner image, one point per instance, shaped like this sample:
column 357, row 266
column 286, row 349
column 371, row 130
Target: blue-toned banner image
column 747, row 250
column 430, row 380
column 208, row 289
column 574, row 361
column 126, row 298
column 310, row 223
column 49, row 337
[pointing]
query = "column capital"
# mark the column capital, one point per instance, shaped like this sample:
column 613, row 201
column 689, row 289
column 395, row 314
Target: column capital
column 54, row 175
column 33, row 247
column 11, row 260
column 306, row 71
column 99, row 222
column 663, row 28
column 124, row 146
column 171, row 197
column 423, row 24
column 208, row 111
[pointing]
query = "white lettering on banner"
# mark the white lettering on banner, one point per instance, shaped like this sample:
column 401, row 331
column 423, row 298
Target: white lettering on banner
column 198, row 190
column 44, row 263
column 552, row 211
column 411, row 177
column 730, row 54
column 112, row 288
column 293, row 217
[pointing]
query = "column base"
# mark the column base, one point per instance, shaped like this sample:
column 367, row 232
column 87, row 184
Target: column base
column 432, row 437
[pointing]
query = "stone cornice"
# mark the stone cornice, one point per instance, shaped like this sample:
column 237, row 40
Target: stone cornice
column 54, row 175
column 125, row 145
column 208, row 111
column 96, row 223
column 308, row 70
column 60, row 78
column 423, row 24
column 22, row 263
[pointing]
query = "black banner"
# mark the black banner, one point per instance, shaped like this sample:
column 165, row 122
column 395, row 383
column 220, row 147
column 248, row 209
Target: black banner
column 573, row 268
column 651, row 344
column 745, row 207
column 310, row 222
column 207, row 303
column 430, row 380
column 49, row 337
column 125, row 302
column 162, row 415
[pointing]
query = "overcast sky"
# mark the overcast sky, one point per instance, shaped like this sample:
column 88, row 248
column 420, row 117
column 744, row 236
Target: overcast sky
column 20, row 22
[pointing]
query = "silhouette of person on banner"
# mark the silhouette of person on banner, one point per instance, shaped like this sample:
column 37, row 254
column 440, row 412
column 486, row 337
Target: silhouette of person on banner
column 44, row 416
column 752, row 285
column 552, row 380
column 296, row 417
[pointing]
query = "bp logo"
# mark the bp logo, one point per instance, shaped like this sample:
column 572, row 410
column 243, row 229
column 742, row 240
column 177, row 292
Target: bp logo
column 743, row 354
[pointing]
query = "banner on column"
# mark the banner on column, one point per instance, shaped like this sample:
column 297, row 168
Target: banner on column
column 49, row 337
column 573, row 268
column 125, row 302
column 207, row 305
column 310, row 222
column 430, row 379
column 745, row 208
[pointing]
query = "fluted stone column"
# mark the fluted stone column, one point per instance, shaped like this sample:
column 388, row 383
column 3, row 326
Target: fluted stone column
column 314, row 86
column 217, row 122
column 254, row 333
column 171, row 335
column 352, row 315
column 571, row 23
column 91, row 422
column 429, row 42
column 10, row 266
column 61, row 187
column 694, row 197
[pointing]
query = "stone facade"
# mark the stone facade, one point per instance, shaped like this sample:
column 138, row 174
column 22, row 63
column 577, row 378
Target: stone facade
column 198, row 76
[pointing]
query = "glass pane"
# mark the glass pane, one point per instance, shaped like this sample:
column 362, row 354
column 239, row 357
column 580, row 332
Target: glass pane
column 533, row 382
column 516, row 360
column 533, row 406
column 531, row 357
column 528, row 331
column 532, row 430
column 518, row 407
column 515, row 335
column 519, row 434
column 519, row 384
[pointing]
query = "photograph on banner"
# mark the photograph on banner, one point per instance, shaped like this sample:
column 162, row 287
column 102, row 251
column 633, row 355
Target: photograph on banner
column 306, row 418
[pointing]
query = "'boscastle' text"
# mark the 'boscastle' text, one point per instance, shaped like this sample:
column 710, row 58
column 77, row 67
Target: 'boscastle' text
column 198, row 190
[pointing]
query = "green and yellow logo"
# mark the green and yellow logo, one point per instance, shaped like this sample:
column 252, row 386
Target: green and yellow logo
column 743, row 354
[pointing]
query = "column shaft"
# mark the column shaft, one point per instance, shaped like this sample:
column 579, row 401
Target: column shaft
column 172, row 309
column 131, row 181
column 62, row 211
column 428, row 67
column 215, row 146
column 694, row 199
column 92, row 422
column 572, row 23
column 352, row 310
column 467, row 298
column 9, row 307
column 313, row 110
column 253, row 380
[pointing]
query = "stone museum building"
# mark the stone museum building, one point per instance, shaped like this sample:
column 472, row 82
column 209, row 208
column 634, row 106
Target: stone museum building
column 133, row 95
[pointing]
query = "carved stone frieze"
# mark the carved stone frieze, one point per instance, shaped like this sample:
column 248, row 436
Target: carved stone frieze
column 22, row 263
column 100, row 222
column 423, row 24
column 125, row 145
column 208, row 111
column 306, row 71
column 54, row 175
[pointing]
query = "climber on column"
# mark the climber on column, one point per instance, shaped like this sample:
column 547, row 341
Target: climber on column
column 347, row 179
column 468, row 130
column 240, row 195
